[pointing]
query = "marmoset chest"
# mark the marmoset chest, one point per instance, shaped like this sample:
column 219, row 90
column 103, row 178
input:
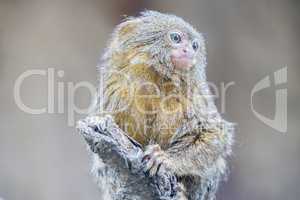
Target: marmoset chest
column 156, row 109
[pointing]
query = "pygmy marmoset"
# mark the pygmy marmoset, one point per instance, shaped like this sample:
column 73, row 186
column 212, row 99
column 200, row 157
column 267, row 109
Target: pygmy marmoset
column 153, row 83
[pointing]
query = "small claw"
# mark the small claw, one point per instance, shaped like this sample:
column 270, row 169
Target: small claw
column 156, row 165
column 145, row 158
column 153, row 159
column 149, row 151
column 149, row 164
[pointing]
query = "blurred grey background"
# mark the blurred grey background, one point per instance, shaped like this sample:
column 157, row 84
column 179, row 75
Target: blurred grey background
column 41, row 157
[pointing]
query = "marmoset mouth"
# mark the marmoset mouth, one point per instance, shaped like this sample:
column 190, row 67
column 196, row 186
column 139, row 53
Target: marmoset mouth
column 183, row 62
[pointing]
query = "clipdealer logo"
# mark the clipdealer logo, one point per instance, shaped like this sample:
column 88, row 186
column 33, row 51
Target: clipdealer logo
column 279, row 122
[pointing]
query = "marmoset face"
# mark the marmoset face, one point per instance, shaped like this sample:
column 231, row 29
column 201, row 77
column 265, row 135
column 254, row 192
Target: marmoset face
column 170, row 44
column 183, row 50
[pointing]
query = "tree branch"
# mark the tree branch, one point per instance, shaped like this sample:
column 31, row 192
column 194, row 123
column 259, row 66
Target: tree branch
column 122, row 155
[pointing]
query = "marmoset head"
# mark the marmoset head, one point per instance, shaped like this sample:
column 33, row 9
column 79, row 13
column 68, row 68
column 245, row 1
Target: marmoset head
column 165, row 42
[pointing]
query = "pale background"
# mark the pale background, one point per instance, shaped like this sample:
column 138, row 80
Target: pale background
column 42, row 158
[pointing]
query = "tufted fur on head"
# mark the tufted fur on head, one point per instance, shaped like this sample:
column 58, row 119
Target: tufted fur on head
column 143, row 39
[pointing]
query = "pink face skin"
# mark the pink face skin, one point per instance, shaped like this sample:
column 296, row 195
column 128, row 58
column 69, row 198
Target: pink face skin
column 182, row 54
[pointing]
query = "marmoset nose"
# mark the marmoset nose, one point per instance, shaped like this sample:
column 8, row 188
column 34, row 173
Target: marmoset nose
column 187, row 52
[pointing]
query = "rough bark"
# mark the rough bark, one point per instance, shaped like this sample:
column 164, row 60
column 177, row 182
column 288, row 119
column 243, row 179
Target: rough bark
column 122, row 156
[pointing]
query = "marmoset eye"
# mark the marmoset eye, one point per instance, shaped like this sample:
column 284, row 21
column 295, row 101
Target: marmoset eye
column 195, row 45
column 175, row 37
